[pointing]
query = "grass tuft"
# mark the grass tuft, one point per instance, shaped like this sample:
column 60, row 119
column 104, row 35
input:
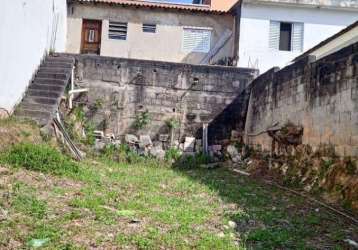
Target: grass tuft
column 42, row 158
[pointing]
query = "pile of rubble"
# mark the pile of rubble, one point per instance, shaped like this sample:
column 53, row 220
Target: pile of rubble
column 143, row 145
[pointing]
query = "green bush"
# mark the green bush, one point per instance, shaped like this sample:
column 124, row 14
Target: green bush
column 191, row 161
column 42, row 158
column 142, row 120
column 122, row 154
column 172, row 154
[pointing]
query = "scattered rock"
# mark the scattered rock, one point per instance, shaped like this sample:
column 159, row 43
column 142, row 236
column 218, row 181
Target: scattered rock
column 232, row 224
column 163, row 137
column 145, row 141
column 157, row 152
column 116, row 143
column 221, row 235
column 233, row 153
column 131, row 139
column 99, row 145
column 189, row 144
column 3, row 214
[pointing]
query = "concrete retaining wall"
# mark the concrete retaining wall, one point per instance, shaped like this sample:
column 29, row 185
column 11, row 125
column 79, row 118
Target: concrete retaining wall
column 322, row 96
column 192, row 94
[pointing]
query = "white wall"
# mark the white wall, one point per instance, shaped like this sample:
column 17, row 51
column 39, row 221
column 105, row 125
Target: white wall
column 28, row 29
column 319, row 24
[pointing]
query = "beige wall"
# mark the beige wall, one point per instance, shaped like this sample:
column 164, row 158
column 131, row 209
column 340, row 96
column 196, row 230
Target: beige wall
column 164, row 45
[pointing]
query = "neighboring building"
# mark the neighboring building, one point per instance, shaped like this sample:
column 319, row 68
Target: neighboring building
column 274, row 32
column 334, row 43
column 28, row 29
column 187, row 33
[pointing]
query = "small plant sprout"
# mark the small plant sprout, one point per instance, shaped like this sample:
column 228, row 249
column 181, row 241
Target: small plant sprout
column 142, row 120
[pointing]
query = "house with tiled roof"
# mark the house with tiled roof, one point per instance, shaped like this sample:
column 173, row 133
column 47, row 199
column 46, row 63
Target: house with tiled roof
column 154, row 30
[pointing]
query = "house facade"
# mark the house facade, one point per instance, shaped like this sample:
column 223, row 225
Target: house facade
column 197, row 34
column 274, row 32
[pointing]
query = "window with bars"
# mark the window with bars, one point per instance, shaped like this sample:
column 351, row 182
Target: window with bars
column 196, row 40
column 117, row 30
column 285, row 36
column 149, row 28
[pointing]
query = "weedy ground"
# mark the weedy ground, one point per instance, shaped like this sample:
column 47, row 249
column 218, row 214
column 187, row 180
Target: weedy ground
column 101, row 204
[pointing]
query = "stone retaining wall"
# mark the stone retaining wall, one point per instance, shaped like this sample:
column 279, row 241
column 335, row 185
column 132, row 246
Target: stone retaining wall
column 321, row 96
column 121, row 89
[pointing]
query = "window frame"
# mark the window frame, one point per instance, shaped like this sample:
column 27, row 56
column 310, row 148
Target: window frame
column 296, row 36
column 121, row 33
column 149, row 28
column 206, row 49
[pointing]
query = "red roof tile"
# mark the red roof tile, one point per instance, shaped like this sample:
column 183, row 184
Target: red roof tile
column 156, row 4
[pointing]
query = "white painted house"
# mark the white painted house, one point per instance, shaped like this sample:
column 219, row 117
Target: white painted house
column 274, row 32
column 28, row 30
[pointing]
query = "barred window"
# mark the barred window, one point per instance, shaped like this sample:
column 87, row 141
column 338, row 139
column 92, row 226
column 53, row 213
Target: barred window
column 118, row 30
column 149, row 28
column 196, row 40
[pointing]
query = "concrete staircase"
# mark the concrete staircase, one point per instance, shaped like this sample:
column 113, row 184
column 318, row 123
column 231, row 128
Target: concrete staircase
column 43, row 96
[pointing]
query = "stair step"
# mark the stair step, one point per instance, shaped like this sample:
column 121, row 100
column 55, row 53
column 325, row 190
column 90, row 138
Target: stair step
column 47, row 87
column 40, row 100
column 41, row 117
column 60, row 59
column 43, row 93
column 53, row 75
column 50, row 81
column 55, row 64
column 53, row 70
column 36, row 106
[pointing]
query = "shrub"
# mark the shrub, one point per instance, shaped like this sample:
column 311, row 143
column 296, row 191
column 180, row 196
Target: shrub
column 41, row 158
column 173, row 154
column 122, row 154
column 191, row 161
column 142, row 120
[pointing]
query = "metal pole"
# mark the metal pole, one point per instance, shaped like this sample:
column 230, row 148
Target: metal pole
column 205, row 138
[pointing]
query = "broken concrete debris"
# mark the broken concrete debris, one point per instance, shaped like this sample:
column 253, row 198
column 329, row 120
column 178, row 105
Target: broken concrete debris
column 189, row 144
column 145, row 141
column 131, row 139
column 233, row 153
column 157, row 152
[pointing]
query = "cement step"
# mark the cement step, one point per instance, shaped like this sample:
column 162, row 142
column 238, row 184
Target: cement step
column 49, row 81
column 57, row 65
column 39, row 117
column 52, row 75
column 50, row 70
column 43, row 93
column 60, row 59
column 41, row 100
column 47, row 87
column 36, row 106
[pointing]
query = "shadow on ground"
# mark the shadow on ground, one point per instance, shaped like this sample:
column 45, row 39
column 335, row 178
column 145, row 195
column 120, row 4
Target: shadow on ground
column 269, row 218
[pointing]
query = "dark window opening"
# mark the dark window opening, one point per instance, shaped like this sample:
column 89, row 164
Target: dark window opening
column 149, row 28
column 285, row 36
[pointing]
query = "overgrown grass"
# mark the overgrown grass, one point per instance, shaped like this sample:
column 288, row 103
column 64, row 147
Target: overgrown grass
column 110, row 203
column 38, row 157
